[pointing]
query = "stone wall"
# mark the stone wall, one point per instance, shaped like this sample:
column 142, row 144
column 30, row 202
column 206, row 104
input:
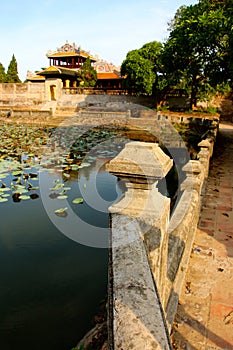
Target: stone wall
column 22, row 95
column 149, row 248
column 22, row 114
column 40, row 94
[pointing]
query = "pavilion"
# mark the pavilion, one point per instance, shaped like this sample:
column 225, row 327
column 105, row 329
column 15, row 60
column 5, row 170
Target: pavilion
column 67, row 60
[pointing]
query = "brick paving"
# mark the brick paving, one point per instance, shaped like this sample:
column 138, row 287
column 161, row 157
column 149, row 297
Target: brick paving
column 204, row 317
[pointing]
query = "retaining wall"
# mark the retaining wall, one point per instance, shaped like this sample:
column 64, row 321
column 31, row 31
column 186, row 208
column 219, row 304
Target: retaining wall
column 22, row 94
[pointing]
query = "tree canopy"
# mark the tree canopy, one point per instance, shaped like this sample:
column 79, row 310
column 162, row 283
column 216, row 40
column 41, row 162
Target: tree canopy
column 197, row 56
column 141, row 67
column 12, row 72
column 197, row 49
column 87, row 75
column 2, row 74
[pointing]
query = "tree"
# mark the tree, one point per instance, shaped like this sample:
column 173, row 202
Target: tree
column 12, row 72
column 87, row 75
column 226, row 29
column 140, row 68
column 2, row 74
column 197, row 49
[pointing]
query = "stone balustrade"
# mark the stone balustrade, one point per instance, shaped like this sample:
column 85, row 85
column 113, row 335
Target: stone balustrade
column 139, row 248
column 150, row 248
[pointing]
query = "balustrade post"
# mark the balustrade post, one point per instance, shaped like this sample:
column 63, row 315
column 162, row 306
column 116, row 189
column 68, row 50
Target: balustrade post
column 139, row 244
column 194, row 176
column 205, row 154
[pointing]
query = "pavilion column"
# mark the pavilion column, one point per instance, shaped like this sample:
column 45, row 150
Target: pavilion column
column 67, row 82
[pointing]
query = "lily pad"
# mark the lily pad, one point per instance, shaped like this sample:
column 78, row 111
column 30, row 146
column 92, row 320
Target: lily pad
column 74, row 167
column 62, row 197
column 2, row 199
column 21, row 190
column 84, row 165
column 17, row 172
column 5, row 195
column 62, row 212
column 3, row 176
column 5, row 189
column 66, row 188
column 24, row 197
column 34, row 196
column 57, row 187
column 77, row 201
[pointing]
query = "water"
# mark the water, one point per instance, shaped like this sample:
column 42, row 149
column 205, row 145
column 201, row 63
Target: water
column 52, row 275
column 51, row 286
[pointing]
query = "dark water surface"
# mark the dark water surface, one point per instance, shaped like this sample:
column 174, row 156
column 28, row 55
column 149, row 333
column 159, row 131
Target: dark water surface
column 50, row 285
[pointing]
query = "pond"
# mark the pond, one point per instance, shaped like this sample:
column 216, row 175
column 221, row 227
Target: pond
column 52, row 281
column 54, row 199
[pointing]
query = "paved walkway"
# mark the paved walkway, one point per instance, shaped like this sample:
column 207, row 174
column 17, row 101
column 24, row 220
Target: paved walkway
column 204, row 317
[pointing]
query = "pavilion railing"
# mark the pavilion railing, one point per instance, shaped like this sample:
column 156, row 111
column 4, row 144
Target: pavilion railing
column 95, row 91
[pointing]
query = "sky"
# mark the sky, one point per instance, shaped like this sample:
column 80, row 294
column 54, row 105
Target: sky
column 106, row 28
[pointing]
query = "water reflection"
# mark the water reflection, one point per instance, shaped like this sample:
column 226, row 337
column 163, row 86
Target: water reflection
column 50, row 285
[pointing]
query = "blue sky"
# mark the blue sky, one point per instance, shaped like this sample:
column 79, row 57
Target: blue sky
column 107, row 28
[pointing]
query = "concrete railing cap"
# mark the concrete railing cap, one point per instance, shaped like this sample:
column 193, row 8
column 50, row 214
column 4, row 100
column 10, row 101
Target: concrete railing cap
column 192, row 167
column 140, row 159
column 204, row 143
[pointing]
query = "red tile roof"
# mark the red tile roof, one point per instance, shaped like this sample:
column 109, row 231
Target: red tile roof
column 111, row 75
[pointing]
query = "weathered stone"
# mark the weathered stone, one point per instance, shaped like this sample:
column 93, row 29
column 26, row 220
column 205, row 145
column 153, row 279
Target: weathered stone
column 144, row 241
column 192, row 168
column 138, row 320
column 204, row 144
column 140, row 160
column 139, row 239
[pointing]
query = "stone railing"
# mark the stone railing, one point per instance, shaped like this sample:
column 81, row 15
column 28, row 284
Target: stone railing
column 21, row 115
column 149, row 249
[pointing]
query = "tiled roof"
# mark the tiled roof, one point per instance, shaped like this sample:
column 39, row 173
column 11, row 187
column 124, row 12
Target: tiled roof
column 71, row 54
column 59, row 70
column 111, row 75
column 36, row 77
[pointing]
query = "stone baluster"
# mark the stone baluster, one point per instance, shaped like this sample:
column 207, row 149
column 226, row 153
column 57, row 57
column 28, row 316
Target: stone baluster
column 139, row 244
column 194, row 176
column 206, row 150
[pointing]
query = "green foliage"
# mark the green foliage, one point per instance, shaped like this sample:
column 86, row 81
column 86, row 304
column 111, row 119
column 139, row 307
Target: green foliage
column 162, row 108
column 2, row 74
column 212, row 110
column 12, row 72
column 87, row 75
column 151, row 51
column 141, row 68
column 197, row 51
column 81, row 347
column 223, row 88
column 139, row 73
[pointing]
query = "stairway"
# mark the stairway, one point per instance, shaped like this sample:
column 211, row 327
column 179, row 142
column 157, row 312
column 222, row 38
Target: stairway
column 50, row 105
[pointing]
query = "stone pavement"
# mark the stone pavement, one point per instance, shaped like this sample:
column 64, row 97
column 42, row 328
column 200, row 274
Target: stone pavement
column 204, row 317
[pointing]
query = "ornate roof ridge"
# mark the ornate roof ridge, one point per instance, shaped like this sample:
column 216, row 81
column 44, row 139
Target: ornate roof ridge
column 67, row 48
